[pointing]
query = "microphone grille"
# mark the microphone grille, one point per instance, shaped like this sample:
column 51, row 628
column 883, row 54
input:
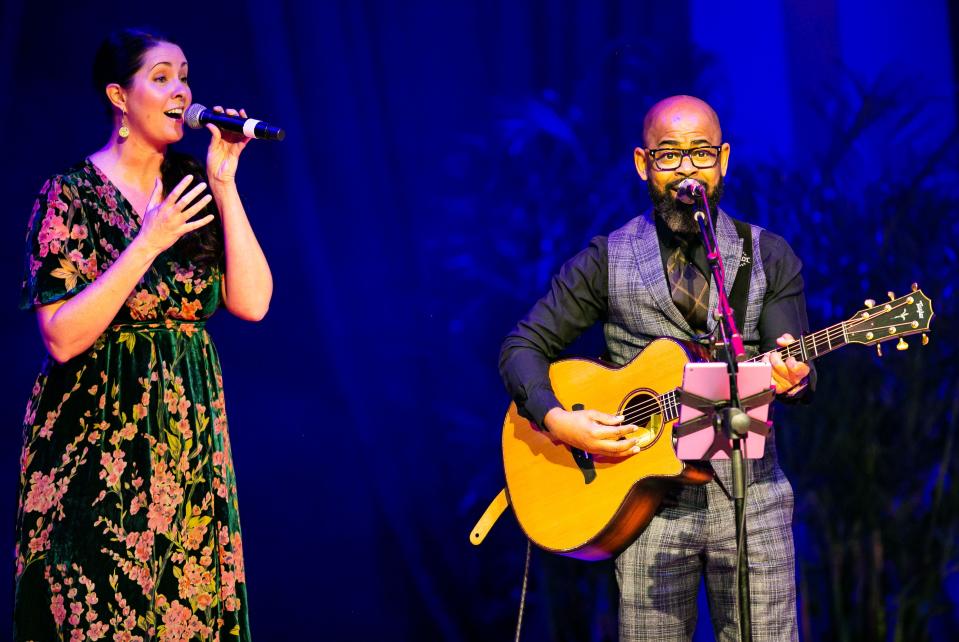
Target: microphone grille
column 192, row 115
column 687, row 189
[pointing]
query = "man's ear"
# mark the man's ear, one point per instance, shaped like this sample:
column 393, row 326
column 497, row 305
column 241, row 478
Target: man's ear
column 723, row 158
column 640, row 159
column 117, row 96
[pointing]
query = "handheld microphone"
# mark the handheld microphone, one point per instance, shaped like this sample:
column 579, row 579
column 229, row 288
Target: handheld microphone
column 688, row 190
column 197, row 116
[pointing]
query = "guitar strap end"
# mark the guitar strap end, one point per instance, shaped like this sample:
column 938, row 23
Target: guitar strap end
column 489, row 517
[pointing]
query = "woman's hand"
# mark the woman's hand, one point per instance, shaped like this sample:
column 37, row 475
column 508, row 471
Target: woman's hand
column 224, row 151
column 247, row 283
column 166, row 220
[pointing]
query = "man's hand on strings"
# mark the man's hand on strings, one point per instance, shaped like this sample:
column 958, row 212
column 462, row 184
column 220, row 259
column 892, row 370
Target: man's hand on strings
column 789, row 376
column 593, row 431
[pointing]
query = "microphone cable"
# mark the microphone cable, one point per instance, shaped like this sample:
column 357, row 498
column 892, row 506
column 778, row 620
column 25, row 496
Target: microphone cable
column 522, row 594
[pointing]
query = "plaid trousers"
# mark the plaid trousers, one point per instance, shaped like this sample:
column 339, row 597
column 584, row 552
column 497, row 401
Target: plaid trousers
column 694, row 534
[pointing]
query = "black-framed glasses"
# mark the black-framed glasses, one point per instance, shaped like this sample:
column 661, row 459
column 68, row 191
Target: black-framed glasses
column 669, row 158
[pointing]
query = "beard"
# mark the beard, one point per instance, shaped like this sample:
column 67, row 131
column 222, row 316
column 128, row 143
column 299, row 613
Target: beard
column 678, row 216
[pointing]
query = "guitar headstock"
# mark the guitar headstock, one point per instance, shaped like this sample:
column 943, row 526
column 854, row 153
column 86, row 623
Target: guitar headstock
column 898, row 317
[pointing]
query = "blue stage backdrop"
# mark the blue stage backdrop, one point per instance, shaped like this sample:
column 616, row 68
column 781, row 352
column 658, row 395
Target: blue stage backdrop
column 442, row 160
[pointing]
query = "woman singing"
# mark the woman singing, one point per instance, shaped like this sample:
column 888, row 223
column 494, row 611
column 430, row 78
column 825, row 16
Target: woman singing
column 127, row 527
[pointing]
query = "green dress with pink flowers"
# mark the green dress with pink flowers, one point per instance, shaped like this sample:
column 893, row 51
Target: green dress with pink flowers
column 127, row 527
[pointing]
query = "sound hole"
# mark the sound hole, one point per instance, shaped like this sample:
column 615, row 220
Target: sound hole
column 643, row 411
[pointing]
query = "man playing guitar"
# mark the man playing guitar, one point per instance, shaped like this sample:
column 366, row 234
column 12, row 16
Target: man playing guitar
column 649, row 279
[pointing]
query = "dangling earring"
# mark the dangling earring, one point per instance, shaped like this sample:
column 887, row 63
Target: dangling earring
column 124, row 130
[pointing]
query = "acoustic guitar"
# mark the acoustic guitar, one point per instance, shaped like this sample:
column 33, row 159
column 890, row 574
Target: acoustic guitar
column 591, row 506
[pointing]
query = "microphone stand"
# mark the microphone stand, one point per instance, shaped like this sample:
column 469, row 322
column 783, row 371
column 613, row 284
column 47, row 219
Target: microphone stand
column 732, row 420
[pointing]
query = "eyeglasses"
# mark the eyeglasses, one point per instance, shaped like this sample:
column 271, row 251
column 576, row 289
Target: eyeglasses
column 667, row 159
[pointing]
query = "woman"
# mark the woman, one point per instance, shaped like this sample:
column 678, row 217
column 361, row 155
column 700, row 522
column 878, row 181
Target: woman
column 127, row 525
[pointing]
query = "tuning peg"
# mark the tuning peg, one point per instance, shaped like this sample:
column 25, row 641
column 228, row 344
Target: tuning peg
column 892, row 297
column 902, row 345
column 915, row 287
column 870, row 303
column 925, row 339
column 879, row 349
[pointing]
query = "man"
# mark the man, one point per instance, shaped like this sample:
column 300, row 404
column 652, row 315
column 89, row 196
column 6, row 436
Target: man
column 648, row 279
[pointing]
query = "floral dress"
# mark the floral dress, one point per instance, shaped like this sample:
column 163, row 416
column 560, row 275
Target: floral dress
column 127, row 527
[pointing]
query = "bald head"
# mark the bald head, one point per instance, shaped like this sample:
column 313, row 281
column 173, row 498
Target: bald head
column 678, row 115
column 675, row 128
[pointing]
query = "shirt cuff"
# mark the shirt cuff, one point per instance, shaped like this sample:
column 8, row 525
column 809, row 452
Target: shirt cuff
column 540, row 402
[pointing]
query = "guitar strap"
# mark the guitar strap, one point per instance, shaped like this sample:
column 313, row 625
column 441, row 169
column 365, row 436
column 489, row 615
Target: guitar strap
column 490, row 515
column 739, row 295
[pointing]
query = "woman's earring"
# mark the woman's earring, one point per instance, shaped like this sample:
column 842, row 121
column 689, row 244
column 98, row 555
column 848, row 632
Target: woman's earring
column 124, row 130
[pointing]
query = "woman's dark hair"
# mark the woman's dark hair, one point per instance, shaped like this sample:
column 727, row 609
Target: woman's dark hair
column 119, row 57
column 203, row 246
column 116, row 61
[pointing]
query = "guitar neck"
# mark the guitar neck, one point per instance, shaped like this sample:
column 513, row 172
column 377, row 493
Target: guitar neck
column 899, row 317
column 812, row 345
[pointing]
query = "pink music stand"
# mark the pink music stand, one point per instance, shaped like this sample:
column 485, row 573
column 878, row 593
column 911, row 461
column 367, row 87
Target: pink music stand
column 711, row 382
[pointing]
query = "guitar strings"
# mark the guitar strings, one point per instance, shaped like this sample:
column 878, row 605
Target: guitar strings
column 832, row 337
column 666, row 403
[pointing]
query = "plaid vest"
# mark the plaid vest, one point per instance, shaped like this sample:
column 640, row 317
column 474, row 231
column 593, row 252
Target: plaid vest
column 641, row 307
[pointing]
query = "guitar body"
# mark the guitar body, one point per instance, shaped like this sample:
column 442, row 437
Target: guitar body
column 593, row 507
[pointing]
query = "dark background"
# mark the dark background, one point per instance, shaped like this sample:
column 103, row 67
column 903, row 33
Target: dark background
column 442, row 160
